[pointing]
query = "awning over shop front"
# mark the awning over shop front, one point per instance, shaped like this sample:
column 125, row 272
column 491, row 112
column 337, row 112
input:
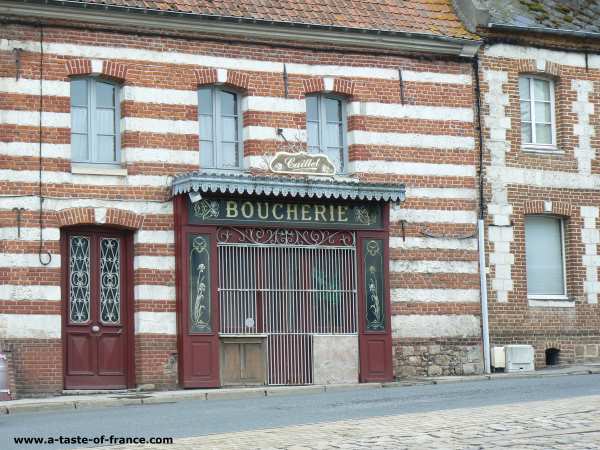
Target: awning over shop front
column 310, row 187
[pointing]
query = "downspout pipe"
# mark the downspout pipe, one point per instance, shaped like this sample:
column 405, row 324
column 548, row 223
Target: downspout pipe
column 485, row 328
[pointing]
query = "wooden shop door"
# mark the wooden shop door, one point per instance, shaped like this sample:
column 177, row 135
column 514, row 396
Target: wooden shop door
column 96, row 312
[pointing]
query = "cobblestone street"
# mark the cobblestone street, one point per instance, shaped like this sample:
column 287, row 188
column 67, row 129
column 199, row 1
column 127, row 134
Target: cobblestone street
column 572, row 423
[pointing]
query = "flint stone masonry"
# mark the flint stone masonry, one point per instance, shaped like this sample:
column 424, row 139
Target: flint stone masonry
column 438, row 360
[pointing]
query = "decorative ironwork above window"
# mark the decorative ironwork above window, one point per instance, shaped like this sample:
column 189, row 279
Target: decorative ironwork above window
column 285, row 236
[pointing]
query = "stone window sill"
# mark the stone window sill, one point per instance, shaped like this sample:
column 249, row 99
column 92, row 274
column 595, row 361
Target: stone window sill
column 542, row 150
column 97, row 169
column 559, row 301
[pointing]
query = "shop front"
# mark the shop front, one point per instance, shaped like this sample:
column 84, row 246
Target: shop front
column 282, row 281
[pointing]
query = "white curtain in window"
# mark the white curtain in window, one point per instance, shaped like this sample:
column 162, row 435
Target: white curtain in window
column 545, row 261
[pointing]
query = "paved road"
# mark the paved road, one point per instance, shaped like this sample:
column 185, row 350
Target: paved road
column 418, row 405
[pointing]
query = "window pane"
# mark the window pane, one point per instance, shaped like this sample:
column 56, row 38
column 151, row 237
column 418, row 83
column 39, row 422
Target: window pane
column 524, row 88
column 333, row 110
column 79, row 120
column 206, row 154
column 79, row 147
column 105, row 95
column 206, row 128
column 229, row 154
column 542, row 112
column 313, row 134
column 334, row 135
column 229, row 129
column 205, row 101
column 79, row 95
column 106, row 149
column 105, row 121
column 543, row 246
column 228, row 103
column 526, row 111
column 335, row 157
column 541, row 89
column 526, row 133
column 543, row 134
column 312, row 108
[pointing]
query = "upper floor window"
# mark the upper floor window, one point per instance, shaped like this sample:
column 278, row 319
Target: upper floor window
column 545, row 259
column 94, row 121
column 538, row 126
column 326, row 128
column 220, row 128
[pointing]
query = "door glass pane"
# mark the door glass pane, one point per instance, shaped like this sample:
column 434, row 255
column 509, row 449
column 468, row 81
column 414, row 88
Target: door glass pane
column 205, row 101
column 543, row 247
column 312, row 108
column 106, row 149
column 543, row 134
column 79, row 93
column 526, row 111
column 79, row 279
column 105, row 95
column 105, row 121
column 375, row 305
column 110, row 285
column 200, row 284
column 526, row 133
column 79, row 147
column 542, row 112
column 541, row 90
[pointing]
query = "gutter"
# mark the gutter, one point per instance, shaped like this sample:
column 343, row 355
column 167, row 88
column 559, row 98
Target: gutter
column 239, row 26
column 544, row 30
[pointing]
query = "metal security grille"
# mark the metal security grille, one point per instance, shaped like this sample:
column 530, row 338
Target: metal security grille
column 289, row 285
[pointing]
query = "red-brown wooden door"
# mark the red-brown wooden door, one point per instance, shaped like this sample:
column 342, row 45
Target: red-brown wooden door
column 96, row 315
column 199, row 309
column 375, row 340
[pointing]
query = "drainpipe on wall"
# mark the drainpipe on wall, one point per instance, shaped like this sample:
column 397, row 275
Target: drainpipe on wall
column 485, row 328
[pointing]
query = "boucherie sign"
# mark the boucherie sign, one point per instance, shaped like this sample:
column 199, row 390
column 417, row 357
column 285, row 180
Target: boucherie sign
column 305, row 214
column 301, row 163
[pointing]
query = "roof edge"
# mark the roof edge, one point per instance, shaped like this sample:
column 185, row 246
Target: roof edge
column 245, row 27
column 544, row 30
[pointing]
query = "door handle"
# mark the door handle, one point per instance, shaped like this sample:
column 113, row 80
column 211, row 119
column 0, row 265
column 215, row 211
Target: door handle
column 95, row 328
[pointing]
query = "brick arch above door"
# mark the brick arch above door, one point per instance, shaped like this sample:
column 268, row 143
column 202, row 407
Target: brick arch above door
column 100, row 216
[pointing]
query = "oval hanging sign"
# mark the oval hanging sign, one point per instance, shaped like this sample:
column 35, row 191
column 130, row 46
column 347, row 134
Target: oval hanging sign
column 302, row 163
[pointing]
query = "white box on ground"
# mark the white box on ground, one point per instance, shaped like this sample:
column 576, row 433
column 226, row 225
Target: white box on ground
column 498, row 358
column 519, row 358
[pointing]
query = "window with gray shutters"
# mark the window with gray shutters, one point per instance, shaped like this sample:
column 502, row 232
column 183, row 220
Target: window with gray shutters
column 545, row 259
column 220, row 128
column 326, row 129
column 94, row 121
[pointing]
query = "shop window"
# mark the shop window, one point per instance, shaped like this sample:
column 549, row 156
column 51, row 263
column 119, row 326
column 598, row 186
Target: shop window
column 220, row 128
column 94, row 121
column 326, row 128
column 544, row 248
column 538, row 124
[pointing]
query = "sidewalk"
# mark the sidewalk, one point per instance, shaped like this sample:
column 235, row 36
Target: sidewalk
column 140, row 397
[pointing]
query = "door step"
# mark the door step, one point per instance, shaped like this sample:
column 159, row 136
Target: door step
column 97, row 391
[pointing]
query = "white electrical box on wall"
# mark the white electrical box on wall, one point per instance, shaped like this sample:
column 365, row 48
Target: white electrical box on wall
column 498, row 358
column 519, row 358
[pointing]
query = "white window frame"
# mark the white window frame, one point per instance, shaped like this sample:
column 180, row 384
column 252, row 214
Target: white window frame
column 564, row 295
column 216, row 128
column 323, row 128
column 91, row 123
column 534, row 145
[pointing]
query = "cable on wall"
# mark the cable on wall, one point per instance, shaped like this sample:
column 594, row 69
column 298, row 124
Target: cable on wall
column 48, row 259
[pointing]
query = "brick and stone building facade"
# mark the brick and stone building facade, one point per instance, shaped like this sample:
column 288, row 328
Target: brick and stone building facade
column 402, row 76
column 554, row 45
